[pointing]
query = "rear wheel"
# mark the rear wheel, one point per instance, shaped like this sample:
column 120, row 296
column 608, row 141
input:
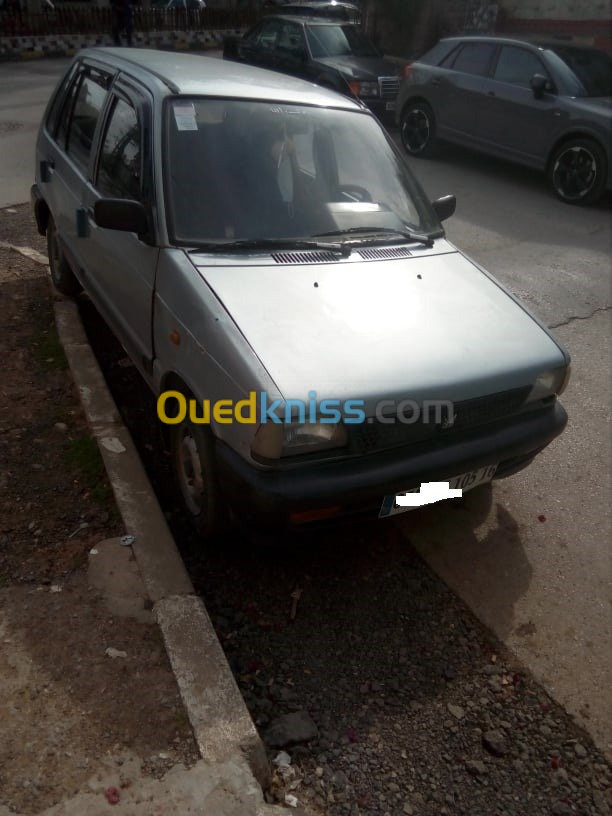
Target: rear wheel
column 195, row 471
column 577, row 171
column 418, row 129
column 62, row 275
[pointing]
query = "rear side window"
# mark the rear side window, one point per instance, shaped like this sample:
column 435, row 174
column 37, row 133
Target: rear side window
column 474, row 58
column 438, row 53
column 120, row 159
column 88, row 106
column 517, row 66
column 57, row 105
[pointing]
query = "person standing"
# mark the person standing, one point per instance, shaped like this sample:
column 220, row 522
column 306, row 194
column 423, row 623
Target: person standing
column 122, row 12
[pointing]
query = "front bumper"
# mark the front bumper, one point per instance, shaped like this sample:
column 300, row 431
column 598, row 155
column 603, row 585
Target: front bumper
column 265, row 499
column 380, row 109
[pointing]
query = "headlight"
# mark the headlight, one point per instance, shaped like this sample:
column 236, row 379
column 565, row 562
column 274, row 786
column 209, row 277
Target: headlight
column 549, row 383
column 363, row 88
column 274, row 441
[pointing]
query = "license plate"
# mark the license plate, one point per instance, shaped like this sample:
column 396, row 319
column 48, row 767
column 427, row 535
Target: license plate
column 464, row 482
column 390, row 106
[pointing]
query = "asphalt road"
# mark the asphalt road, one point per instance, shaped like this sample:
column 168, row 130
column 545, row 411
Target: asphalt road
column 532, row 557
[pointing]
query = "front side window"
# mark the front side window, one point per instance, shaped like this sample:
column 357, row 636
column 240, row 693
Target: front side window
column 255, row 170
column 88, row 105
column 291, row 39
column 517, row 66
column 474, row 58
column 268, row 34
column 119, row 171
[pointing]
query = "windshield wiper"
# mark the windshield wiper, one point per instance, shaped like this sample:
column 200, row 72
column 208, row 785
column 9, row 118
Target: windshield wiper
column 273, row 243
column 404, row 235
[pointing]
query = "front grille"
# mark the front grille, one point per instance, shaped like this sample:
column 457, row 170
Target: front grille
column 389, row 87
column 306, row 257
column 470, row 413
column 373, row 435
column 381, row 253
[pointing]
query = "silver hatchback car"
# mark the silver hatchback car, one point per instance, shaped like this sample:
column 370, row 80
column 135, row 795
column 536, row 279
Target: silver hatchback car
column 261, row 250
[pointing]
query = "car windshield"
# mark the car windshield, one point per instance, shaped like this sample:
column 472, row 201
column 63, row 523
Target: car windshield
column 338, row 41
column 590, row 70
column 245, row 170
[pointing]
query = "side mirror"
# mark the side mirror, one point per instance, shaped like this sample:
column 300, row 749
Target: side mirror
column 121, row 214
column 445, row 206
column 539, row 85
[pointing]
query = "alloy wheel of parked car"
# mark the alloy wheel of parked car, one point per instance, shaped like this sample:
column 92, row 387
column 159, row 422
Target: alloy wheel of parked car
column 194, row 465
column 578, row 171
column 417, row 128
column 61, row 274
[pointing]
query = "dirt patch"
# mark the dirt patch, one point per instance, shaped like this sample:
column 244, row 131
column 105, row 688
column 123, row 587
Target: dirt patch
column 68, row 708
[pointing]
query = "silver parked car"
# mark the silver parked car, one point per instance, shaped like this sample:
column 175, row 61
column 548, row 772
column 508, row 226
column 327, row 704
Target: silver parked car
column 263, row 253
column 545, row 106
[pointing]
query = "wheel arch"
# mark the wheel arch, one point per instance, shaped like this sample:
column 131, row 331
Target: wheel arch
column 41, row 214
column 578, row 133
column 411, row 100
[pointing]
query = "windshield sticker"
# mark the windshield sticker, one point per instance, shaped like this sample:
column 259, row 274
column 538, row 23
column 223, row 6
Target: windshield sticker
column 184, row 115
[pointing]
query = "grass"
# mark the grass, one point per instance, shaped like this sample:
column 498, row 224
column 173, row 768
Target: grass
column 83, row 456
column 47, row 350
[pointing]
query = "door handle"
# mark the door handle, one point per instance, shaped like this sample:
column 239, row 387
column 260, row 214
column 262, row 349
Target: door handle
column 47, row 168
column 435, row 81
column 491, row 93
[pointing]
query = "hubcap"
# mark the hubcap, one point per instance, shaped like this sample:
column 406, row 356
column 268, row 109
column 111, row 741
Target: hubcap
column 416, row 130
column 190, row 473
column 574, row 173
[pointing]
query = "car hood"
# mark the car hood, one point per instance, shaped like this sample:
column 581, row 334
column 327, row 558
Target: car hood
column 431, row 326
column 361, row 67
column 594, row 105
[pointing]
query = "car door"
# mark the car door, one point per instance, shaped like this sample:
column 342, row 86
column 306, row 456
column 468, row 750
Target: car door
column 121, row 266
column 68, row 156
column 514, row 121
column 459, row 89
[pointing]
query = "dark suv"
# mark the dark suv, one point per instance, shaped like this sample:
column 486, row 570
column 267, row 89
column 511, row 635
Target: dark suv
column 547, row 106
column 335, row 55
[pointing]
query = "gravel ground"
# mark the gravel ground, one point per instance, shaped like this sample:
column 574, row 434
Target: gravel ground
column 385, row 693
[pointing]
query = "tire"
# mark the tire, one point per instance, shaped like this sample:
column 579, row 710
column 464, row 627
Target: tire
column 62, row 275
column 193, row 460
column 418, row 130
column 577, row 171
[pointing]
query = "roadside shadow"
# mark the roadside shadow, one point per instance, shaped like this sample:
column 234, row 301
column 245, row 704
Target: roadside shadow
column 476, row 548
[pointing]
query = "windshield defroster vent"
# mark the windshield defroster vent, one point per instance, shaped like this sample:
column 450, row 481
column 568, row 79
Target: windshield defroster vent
column 380, row 253
column 306, row 257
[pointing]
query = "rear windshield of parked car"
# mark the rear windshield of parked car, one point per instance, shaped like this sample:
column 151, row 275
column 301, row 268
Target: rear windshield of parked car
column 252, row 170
column 338, row 41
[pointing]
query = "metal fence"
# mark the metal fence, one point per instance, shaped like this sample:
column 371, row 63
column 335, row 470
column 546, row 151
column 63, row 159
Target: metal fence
column 83, row 20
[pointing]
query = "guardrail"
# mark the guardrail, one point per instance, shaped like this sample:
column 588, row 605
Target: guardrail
column 62, row 21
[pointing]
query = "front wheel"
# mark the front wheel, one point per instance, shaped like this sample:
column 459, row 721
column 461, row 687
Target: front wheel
column 418, row 129
column 195, row 471
column 577, row 171
column 62, row 275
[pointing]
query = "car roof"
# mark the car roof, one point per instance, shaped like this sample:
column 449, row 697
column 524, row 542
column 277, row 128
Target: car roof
column 490, row 39
column 308, row 19
column 208, row 76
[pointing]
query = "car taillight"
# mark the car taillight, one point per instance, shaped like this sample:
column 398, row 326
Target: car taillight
column 355, row 87
column 407, row 72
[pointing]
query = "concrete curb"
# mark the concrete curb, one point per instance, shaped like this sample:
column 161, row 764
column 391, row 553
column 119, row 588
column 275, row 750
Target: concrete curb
column 221, row 723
